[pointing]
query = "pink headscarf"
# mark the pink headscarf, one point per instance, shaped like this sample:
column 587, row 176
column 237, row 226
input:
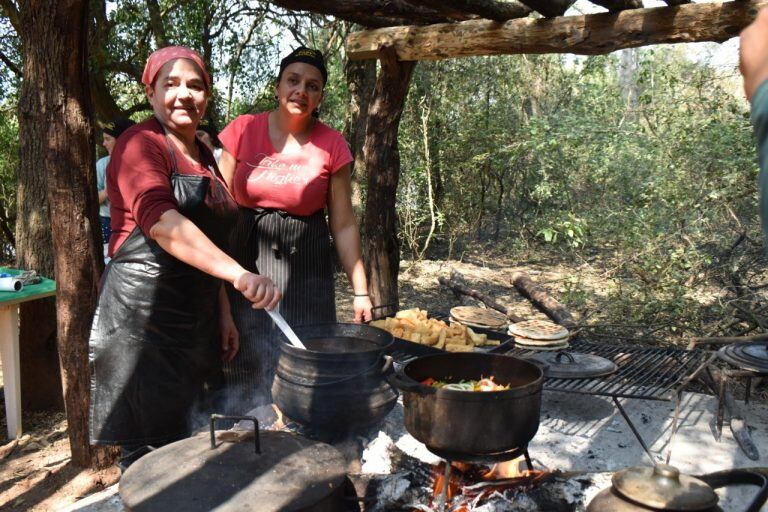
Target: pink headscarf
column 160, row 57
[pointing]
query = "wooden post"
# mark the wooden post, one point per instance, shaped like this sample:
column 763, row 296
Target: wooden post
column 55, row 109
column 381, row 249
column 361, row 79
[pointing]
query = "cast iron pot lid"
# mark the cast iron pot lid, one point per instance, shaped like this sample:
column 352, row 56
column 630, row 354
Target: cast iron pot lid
column 663, row 487
column 290, row 473
column 752, row 355
column 573, row 365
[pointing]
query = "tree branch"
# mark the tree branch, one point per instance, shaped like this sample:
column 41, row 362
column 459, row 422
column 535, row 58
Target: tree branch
column 549, row 8
column 156, row 22
column 490, row 9
column 5, row 226
column 10, row 10
column 379, row 12
column 8, row 62
column 619, row 5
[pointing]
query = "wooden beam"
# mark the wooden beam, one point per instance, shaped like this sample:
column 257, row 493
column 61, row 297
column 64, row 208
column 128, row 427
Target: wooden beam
column 549, row 8
column 592, row 34
column 366, row 12
column 619, row 5
column 490, row 9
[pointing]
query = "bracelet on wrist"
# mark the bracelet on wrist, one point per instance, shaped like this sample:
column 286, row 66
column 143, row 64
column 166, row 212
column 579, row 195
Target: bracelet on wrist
column 361, row 295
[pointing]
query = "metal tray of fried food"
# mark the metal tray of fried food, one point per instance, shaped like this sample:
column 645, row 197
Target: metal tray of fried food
column 403, row 350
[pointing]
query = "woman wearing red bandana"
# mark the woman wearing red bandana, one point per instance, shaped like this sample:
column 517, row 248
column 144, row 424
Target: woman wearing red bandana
column 163, row 326
column 285, row 168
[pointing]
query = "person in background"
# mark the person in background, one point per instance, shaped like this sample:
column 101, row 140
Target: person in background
column 284, row 168
column 163, row 324
column 111, row 132
column 753, row 63
column 208, row 136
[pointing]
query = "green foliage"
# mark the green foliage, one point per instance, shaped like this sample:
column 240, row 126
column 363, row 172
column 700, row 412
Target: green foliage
column 644, row 170
column 9, row 162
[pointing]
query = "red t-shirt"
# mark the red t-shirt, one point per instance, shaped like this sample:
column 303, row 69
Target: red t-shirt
column 139, row 179
column 296, row 183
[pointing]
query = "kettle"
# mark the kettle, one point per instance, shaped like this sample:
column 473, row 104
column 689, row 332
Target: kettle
column 664, row 488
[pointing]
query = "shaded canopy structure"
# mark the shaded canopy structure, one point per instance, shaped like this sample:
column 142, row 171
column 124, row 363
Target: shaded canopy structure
column 401, row 32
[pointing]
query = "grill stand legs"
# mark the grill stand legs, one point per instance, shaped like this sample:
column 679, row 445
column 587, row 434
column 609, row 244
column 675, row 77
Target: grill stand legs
column 738, row 420
column 634, row 430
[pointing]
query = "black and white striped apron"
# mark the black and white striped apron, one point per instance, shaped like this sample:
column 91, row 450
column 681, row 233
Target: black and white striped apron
column 295, row 252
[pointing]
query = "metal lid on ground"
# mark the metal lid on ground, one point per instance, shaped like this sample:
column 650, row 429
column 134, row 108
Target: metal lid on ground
column 663, row 487
column 572, row 365
column 290, row 473
column 751, row 356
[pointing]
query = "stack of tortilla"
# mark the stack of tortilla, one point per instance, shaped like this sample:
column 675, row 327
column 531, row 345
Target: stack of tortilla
column 479, row 317
column 539, row 335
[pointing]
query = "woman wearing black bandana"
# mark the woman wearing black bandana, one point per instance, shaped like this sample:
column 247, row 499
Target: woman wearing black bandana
column 284, row 168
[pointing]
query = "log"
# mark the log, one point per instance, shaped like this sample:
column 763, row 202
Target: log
column 540, row 298
column 591, row 34
column 458, row 287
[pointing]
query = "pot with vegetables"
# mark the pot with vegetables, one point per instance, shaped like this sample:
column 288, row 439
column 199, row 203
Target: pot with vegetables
column 471, row 404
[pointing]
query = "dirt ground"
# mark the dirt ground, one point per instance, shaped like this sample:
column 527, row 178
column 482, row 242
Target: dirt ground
column 35, row 471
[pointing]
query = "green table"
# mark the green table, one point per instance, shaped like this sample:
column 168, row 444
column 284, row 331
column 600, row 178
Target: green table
column 9, row 344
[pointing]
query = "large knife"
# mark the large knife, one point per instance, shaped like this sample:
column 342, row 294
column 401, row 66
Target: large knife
column 283, row 326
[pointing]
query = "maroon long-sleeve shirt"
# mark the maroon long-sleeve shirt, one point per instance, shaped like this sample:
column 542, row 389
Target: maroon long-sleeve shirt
column 139, row 179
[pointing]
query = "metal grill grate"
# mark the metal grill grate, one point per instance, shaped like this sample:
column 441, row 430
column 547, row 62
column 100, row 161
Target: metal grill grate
column 649, row 373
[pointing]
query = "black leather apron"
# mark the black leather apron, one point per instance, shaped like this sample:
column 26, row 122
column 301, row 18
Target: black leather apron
column 154, row 339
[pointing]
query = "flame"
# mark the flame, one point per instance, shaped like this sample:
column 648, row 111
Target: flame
column 508, row 469
column 279, row 422
column 473, row 483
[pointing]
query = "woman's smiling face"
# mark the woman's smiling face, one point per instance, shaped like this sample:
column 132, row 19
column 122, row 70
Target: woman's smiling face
column 179, row 96
column 300, row 88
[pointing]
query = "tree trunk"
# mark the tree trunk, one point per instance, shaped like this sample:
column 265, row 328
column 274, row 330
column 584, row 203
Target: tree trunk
column 382, row 161
column 361, row 80
column 40, row 375
column 57, row 138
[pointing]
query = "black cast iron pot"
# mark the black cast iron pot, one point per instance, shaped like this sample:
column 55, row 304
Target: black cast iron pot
column 338, row 384
column 465, row 425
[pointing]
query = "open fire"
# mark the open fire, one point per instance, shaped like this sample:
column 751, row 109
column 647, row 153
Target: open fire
column 468, row 485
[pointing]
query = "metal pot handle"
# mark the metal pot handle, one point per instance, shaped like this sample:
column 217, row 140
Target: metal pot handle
column 404, row 383
column 342, row 379
column 214, row 417
column 740, row 477
column 383, row 311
